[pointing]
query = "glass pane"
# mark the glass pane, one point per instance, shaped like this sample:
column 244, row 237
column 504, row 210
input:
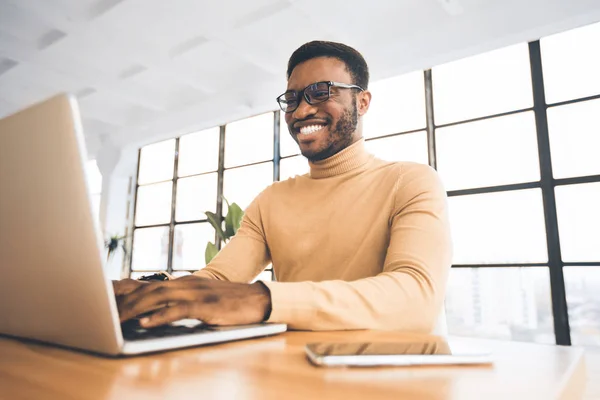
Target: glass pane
column 575, row 139
column 578, row 210
column 407, row 147
column 242, row 185
column 199, row 152
column 475, row 154
column 504, row 227
column 288, row 145
column 154, row 204
column 485, row 84
column 178, row 274
column 150, row 249
column 196, row 195
column 264, row 276
column 157, row 162
column 500, row 303
column 397, row 105
column 93, row 176
column 249, row 140
column 190, row 245
column 571, row 62
column 290, row 167
column 583, row 285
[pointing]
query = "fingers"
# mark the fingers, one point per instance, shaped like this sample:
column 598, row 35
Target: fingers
column 125, row 286
column 153, row 296
column 167, row 315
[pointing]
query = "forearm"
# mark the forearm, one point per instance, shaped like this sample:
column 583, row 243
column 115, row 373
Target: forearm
column 241, row 260
column 391, row 301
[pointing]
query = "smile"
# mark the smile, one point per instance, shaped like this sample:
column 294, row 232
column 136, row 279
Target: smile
column 310, row 129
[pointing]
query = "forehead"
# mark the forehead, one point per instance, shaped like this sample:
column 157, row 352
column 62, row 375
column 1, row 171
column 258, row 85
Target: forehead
column 316, row 70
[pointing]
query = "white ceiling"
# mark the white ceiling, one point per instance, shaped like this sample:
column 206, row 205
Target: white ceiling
column 149, row 69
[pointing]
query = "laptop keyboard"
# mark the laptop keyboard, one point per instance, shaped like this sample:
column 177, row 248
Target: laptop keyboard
column 133, row 331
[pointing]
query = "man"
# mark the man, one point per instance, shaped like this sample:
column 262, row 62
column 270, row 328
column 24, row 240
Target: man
column 358, row 243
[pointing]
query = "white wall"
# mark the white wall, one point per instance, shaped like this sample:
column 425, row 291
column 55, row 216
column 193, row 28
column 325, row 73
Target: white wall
column 118, row 167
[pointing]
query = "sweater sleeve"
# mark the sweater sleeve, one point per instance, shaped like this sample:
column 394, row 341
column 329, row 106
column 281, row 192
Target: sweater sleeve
column 408, row 294
column 245, row 255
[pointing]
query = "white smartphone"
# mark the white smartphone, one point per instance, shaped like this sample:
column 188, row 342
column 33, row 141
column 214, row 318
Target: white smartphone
column 371, row 354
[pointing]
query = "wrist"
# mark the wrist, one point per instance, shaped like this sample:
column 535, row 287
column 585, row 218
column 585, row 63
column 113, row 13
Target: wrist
column 264, row 299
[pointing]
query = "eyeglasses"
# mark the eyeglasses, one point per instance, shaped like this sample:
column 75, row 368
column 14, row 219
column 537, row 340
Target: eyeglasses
column 314, row 93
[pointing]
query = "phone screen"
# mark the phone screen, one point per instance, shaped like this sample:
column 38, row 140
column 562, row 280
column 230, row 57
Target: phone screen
column 379, row 349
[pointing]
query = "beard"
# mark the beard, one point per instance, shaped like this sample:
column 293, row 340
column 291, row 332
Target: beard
column 340, row 136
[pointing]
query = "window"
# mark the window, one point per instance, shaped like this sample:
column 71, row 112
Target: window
column 486, row 84
column 154, row 204
column 289, row 147
column 405, row 147
column 195, row 195
column 94, row 181
column 491, row 152
column 150, row 248
column 575, row 139
column 176, row 242
column 242, row 185
column 249, row 140
column 292, row 166
column 196, row 192
column 199, row 152
column 582, row 286
column 398, row 105
column 571, row 63
column 500, row 303
column 190, row 244
column 504, row 227
column 578, row 210
column 156, row 162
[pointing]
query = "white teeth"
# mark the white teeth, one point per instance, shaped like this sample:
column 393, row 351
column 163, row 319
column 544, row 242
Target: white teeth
column 307, row 130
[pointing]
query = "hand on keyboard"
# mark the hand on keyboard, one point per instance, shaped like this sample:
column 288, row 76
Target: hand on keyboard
column 214, row 302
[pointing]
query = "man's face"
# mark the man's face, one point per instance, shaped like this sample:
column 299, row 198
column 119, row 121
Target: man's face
column 324, row 129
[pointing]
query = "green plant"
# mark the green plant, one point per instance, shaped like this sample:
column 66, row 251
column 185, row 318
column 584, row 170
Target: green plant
column 112, row 244
column 232, row 220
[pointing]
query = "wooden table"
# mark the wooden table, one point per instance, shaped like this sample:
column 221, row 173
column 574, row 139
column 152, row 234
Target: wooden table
column 276, row 368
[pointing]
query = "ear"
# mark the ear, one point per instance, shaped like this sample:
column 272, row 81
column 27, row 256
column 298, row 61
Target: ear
column 363, row 102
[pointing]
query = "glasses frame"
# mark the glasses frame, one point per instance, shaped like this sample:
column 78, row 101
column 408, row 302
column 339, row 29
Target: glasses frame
column 302, row 94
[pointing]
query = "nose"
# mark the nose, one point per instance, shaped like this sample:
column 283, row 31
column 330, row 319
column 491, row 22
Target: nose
column 304, row 110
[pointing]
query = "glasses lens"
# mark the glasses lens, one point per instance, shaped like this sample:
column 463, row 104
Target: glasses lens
column 317, row 92
column 288, row 101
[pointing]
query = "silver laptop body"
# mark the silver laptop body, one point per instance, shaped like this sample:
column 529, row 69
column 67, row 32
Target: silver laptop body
column 53, row 287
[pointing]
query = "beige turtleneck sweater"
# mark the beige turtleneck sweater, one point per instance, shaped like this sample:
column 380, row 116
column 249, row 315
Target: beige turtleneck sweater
column 358, row 243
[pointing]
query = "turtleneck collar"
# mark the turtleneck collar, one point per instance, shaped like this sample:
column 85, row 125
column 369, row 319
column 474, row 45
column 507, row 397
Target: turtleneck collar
column 352, row 157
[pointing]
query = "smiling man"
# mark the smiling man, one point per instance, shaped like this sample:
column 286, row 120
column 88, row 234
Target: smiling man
column 358, row 243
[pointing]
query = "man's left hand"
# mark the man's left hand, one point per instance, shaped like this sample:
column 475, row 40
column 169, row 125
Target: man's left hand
column 211, row 301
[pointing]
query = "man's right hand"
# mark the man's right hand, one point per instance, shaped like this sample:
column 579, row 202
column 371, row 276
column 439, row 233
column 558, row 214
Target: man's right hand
column 126, row 286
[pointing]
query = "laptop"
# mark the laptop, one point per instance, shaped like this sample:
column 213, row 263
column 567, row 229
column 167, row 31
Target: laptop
column 53, row 286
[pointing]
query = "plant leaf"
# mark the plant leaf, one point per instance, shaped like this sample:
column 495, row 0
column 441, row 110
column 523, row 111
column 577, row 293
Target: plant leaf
column 233, row 220
column 223, row 197
column 229, row 225
column 210, row 252
column 214, row 221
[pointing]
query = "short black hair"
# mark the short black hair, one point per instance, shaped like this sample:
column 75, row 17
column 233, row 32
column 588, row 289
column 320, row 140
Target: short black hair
column 355, row 62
